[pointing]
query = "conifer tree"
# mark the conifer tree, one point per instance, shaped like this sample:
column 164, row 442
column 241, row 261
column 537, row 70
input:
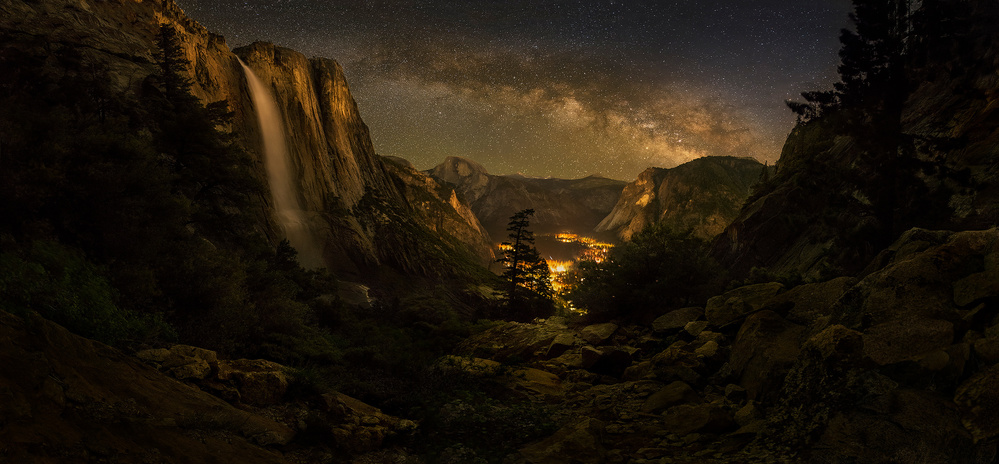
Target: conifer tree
column 529, row 290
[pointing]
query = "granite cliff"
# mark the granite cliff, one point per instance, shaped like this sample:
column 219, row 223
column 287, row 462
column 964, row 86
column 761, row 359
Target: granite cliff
column 703, row 195
column 835, row 201
column 332, row 152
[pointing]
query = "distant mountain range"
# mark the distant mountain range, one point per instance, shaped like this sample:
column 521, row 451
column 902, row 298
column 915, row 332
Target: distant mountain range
column 560, row 205
column 703, row 195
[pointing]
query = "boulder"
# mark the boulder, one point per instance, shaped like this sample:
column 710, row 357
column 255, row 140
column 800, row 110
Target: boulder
column 708, row 350
column 987, row 349
column 809, row 302
column 260, row 382
column 704, row 418
column 590, row 356
column 902, row 339
column 511, row 340
column 355, row 426
column 671, row 395
column 580, row 442
column 677, row 319
column 694, row 328
column 597, row 334
column 610, row 361
column 764, row 350
column 562, row 343
column 736, row 303
column 978, row 401
column 747, row 414
column 527, row 380
column 182, row 361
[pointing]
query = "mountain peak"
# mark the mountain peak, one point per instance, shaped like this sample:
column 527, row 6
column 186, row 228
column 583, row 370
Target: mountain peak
column 454, row 169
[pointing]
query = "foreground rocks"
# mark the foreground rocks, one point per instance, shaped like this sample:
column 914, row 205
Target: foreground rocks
column 64, row 398
column 897, row 366
column 70, row 399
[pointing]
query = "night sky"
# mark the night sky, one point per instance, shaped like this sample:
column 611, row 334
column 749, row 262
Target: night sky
column 560, row 88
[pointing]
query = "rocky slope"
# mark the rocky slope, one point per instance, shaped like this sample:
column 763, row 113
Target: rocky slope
column 69, row 399
column 329, row 143
column 898, row 366
column 820, row 215
column 560, row 205
column 703, row 195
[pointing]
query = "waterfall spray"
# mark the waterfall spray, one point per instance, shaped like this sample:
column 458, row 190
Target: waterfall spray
column 280, row 174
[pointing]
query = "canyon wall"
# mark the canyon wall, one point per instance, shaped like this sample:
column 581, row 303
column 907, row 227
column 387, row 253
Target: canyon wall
column 331, row 150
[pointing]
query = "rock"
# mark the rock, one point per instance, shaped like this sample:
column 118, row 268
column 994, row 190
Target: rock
column 355, row 426
column 978, row 402
column 637, row 371
column 736, row 303
column 836, row 342
column 561, row 344
column 735, row 393
column 523, row 380
column 511, row 340
column 764, row 350
column 702, row 195
column 597, row 334
column 902, row 339
column 183, row 362
column 671, row 395
column 695, row 328
column 65, row 398
column 707, row 350
column 157, row 355
column 610, row 361
column 677, row 319
column 747, row 414
column 689, row 418
column 916, row 426
column 208, row 356
column 987, row 349
column 590, row 356
column 260, row 382
column 979, row 285
column 580, row 442
column 198, row 369
column 811, row 301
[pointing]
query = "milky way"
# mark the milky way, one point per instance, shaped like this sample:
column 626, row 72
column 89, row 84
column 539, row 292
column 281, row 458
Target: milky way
column 560, row 88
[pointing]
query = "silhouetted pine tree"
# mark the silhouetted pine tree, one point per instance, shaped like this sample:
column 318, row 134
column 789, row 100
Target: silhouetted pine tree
column 529, row 290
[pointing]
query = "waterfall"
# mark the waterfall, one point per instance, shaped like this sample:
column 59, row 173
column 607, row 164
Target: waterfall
column 281, row 174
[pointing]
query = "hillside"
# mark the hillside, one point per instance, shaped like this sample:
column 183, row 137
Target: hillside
column 703, row 195
column 853, row 178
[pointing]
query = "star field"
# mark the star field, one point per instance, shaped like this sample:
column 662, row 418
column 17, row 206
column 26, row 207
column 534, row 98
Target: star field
column 560, row 88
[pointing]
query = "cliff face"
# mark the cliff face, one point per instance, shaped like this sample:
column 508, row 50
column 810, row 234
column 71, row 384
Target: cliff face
column 439, row 207
column 329, row 144
column 560, row 205
column 703, row 195
column 821, row 215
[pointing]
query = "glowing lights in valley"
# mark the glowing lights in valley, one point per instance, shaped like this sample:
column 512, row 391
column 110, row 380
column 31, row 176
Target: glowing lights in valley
column 592, row 250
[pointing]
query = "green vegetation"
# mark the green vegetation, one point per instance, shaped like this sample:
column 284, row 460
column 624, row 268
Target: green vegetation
column 659, row 268
column 529, row 291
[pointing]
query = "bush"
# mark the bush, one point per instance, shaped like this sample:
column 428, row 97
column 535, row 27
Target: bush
column 659, row 269
column 60, row 284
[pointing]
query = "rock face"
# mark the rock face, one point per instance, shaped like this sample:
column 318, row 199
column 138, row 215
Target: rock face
column 898, row 365
column 329, row 144
column 704, row 195
column 821, row 215
column 559, row 205
column 69, row 399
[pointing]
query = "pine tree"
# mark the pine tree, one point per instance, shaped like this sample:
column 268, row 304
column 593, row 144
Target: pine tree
column 173, row 66
column 529, row 290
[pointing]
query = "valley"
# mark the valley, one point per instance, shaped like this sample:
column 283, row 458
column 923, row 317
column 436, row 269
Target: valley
column 205, row 258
